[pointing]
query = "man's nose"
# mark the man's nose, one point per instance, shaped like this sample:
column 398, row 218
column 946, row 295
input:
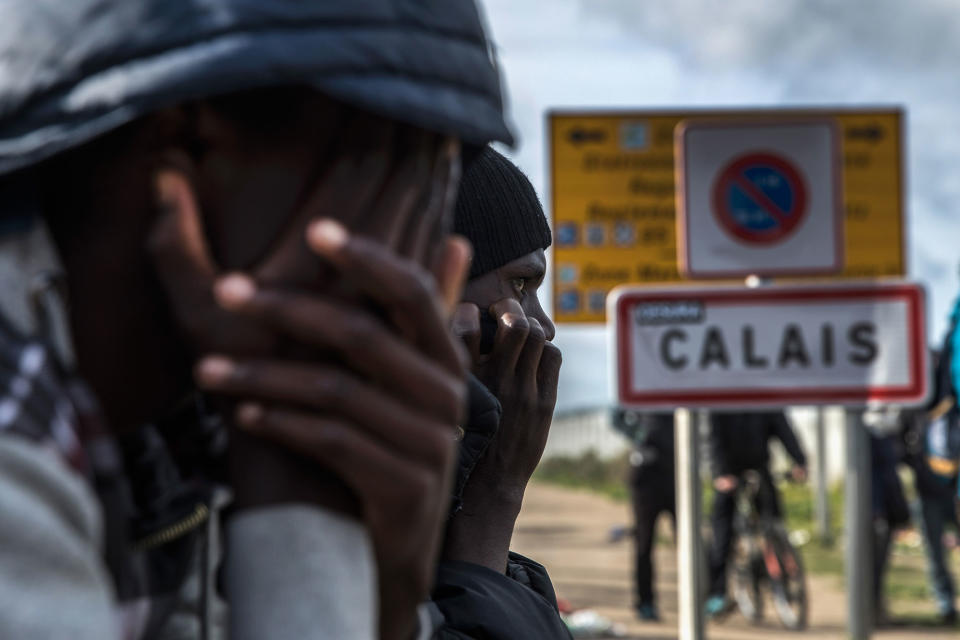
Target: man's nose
column 549, row 329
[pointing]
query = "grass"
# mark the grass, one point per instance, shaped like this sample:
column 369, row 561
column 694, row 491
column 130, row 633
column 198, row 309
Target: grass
column 906, row 580
column 588, row 472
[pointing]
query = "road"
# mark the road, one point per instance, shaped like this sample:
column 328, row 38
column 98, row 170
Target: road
column 567, row 530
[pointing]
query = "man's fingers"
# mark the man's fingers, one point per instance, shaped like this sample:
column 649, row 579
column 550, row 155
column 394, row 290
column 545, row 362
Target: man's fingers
column 331, row 389
column 365, row 343
column 376, row 472
column 548, row 375
column 406, row 291
column 466, row 326
column 451, row 268
column 177, row 240
column 393, row 489
column 350, row 184
column 512, row 330
column 400, row 432
column 424, row 230
column 400, row 203
column 529, row 362
column 185, row 267
column 182, row 258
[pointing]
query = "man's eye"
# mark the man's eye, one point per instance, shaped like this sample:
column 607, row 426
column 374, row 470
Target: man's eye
column 518, row 284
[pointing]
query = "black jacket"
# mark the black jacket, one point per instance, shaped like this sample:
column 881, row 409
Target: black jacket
column 483, row 420
column 652, row 436
column 472, row 601
column 477, row 602
column 740, row 441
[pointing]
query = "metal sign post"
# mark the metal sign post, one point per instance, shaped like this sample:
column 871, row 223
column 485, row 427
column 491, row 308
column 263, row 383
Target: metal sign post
column 822, row 496
column 689, row 567
column 857, row 506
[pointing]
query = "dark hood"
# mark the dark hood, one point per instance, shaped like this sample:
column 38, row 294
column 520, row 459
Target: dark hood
column 70, row 71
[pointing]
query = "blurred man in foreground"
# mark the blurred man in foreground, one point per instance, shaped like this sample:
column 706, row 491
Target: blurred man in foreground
column 215, row 180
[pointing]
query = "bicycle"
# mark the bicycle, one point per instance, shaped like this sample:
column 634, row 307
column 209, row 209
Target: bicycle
column 763, row 555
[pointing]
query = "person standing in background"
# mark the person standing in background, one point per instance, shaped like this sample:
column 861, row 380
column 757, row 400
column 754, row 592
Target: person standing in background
column 889, row 504
column 652, row 492
column 934, row 456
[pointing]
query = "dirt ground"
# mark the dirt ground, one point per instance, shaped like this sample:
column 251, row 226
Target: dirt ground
column 567, row 531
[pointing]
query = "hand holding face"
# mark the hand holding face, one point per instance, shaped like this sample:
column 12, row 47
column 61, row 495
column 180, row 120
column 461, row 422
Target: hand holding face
column 522, row 371
column 387, row 430
column 362, row 378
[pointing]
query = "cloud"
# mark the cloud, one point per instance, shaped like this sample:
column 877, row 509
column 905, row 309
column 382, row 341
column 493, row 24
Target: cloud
column 635, row 53
column 795, row 37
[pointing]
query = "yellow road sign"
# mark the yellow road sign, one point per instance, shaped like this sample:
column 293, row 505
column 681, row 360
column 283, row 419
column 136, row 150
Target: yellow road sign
column 613, row 189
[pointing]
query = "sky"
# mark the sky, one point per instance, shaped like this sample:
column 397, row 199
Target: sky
column 644, row 53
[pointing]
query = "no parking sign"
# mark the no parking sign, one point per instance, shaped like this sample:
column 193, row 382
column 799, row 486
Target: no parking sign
column 759, row 197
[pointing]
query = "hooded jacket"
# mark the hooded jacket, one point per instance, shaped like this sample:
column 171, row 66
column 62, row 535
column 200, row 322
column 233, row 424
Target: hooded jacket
column 70, row 71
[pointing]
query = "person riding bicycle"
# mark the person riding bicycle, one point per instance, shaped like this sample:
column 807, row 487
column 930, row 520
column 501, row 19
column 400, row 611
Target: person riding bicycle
column 739, row 442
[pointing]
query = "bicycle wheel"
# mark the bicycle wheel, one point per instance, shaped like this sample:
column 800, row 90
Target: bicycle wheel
column 788, row 581
column 747, row 572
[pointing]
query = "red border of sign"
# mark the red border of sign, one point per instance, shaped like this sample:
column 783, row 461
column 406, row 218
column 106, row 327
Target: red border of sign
column 683, row 229
column 723, row 214
column 623, row 298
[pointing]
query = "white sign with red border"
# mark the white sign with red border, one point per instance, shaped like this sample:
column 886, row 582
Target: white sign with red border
column 759, row 198
column 854, row 345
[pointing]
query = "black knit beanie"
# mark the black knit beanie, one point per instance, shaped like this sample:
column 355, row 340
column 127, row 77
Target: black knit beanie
column 498, row 212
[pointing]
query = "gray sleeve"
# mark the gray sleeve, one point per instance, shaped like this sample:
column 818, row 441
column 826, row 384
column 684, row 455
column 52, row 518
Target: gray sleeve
column 53, row 583
column 299, row 572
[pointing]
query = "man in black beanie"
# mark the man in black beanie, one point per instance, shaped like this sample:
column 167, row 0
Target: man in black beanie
column 482, row 587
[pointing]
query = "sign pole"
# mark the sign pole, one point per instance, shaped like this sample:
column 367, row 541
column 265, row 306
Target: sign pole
column 822, row 500
column 857, row 501
column 689, row 565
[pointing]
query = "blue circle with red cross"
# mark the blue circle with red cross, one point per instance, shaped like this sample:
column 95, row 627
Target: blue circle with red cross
column 759, row 198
